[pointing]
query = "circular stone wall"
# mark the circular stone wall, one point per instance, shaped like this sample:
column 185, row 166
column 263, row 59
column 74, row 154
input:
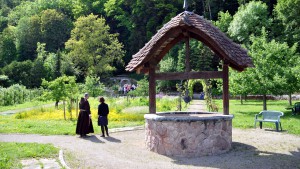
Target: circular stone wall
column 187, row 134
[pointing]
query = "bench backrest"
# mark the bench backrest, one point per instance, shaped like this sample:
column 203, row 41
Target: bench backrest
column 272, row 115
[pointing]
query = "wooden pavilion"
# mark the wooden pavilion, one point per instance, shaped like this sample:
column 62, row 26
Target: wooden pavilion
column 183, row 27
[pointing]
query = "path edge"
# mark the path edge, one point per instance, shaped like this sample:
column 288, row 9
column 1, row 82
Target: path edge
column 61, row 159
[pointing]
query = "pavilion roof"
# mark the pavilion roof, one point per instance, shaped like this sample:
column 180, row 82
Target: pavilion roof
column 188, row 24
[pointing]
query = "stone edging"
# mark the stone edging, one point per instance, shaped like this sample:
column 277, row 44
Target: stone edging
column 62, row 161
column 184, row 116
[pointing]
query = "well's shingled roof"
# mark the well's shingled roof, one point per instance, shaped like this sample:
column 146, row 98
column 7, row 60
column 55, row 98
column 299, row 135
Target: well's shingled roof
column 194, row 26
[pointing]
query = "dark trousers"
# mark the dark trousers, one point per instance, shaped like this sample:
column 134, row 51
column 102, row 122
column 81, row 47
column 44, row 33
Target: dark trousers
column 106, row 129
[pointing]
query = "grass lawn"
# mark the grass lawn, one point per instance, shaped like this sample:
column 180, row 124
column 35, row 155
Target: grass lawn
column 12, row 153
column 49, row 121
column 244, row 114
column 34, row 103
column 130, row 112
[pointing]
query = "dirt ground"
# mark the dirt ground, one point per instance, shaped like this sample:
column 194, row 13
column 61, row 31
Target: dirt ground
column 251, row 148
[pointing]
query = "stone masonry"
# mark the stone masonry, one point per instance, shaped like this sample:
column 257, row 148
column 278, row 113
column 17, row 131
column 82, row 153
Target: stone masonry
column 189, row 138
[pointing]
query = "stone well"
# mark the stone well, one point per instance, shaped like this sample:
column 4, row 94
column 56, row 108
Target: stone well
column 188, row 134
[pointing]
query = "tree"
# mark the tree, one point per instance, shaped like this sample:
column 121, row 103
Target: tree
column 249, row 20
column 24, row 10
column 55, row 29
column 272, row 61
column 58, row 64
column 8, row 51
column 240, row 83
column 19, row 72
column 287, row 12
column 142, row 88
column 167, row 64
column 93, row 50
column 60, row 89
column 38, row 72
column 224, row 20
column 3, row 80
column 27, row 35
column 93, row 86
column 57, row 69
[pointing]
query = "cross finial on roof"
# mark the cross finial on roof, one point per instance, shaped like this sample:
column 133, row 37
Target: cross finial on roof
column 185, row 5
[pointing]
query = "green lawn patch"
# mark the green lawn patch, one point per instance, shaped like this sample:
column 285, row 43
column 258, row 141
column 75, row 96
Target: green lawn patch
column 244, row 114
column 124, row 112
column 12, row 153
column 29, row 104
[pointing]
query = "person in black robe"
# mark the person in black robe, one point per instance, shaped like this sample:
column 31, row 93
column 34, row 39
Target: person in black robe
column 84, row 122
column 103, row 111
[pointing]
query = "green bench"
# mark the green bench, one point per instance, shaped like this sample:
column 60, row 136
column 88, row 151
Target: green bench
column 268, row 116
column 296, row 108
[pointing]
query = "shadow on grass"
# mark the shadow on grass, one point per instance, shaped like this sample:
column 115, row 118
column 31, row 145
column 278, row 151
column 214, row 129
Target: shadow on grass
column 243, row 156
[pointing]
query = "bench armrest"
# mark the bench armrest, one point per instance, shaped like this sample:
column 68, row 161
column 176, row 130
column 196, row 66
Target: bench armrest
column 258, row 115
column 278, row 118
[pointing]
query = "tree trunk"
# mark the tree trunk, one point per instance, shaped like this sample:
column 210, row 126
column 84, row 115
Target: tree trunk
column 71, row 105
column 56, row 104
column 264, row 102
column 64, row 110
column 290, row 99
column 209, row 10
column 241, row 99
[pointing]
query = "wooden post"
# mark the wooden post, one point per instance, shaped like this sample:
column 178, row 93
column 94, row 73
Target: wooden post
column 77, row 106
column 152, row 90
column 187, row 54
column 225, row 89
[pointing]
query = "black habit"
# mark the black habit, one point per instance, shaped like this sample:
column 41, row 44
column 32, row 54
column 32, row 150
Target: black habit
column 84, row 122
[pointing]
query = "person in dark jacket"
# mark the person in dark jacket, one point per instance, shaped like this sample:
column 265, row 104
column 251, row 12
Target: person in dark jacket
column 103, row 111
column 84, row 122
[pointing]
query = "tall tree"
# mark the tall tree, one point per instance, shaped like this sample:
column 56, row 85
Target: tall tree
column 92, row 48
column 8, row 51
column 27, row 35
column 57, row 69
column 55, row 29
column 249, row 20
column 288, row 11
column 25, row 9
column 272, row 61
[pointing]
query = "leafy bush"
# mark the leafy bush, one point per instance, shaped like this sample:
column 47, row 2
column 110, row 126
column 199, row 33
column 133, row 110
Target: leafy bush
column 17, row 94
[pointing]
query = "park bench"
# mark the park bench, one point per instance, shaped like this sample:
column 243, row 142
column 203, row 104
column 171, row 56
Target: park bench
column 268, row 116
column 296, row 108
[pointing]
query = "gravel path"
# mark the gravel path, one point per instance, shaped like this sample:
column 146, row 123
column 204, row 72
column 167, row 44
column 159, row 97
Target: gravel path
column 252, row 148
column 125, row 148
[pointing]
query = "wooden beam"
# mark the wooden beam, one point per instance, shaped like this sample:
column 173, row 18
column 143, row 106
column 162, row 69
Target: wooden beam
column 187, row 54
column 225, row 89
column 152, row 90
column 189, row 75
column 169, row 46
column 171, row 34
